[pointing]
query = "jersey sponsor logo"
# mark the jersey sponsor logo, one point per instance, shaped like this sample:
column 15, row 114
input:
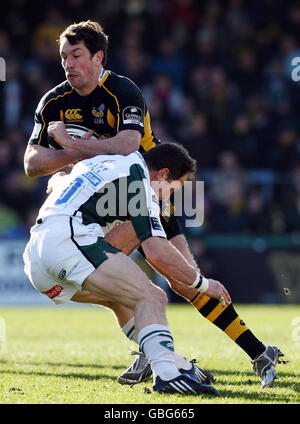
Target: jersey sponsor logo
column 133, row 115
column 62, row 274
column 92, row 178
column 73, row 115
column 54, row 291
column 155, row 224
column 69, row 267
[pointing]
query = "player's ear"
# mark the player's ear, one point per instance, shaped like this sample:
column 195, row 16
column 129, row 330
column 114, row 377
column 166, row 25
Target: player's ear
column 163, row 174
column 99, row 55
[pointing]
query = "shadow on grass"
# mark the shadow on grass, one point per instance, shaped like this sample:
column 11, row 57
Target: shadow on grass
column 221, row 374
column 65, row 364
column 248, row 379
column 261, row 395
column 224, row 381
column 65, row 375
column 83, row 376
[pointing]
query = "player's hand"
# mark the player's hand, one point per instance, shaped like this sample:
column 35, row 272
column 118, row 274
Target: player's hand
column 216, row 290
column 89, row 134
column 57, row 130
column 54, row 180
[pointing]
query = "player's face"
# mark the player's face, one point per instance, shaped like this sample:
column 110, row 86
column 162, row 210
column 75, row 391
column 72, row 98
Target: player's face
column 165, row 187
column 81, row 68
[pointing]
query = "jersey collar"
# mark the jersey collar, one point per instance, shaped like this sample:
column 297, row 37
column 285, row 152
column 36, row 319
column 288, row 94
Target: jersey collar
column 102, row 77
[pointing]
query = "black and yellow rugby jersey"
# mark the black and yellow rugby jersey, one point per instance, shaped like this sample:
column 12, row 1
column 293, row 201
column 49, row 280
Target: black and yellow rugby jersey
column 116, row 104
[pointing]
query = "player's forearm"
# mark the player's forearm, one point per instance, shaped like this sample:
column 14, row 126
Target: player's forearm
column 40, row 161
column 181, row 244
column 124, row 143
column 171, row 263
column 183, row 290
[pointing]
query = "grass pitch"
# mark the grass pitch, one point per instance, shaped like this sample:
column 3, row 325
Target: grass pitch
column 70, row 355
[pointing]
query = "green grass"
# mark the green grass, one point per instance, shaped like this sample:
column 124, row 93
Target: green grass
column 60, row 355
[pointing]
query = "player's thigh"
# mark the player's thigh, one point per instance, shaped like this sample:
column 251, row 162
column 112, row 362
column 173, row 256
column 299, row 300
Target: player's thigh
column 120, row 280
column 88, row 297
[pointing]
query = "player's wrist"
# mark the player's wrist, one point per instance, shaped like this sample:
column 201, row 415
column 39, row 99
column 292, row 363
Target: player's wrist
column 201, row 283
column 67, row 141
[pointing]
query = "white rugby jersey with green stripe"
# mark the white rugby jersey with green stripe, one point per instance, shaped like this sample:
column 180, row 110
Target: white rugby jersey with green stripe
column 107, row 188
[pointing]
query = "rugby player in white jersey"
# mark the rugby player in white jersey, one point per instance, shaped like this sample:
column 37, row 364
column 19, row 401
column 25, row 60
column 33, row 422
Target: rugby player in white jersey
column 67, row 251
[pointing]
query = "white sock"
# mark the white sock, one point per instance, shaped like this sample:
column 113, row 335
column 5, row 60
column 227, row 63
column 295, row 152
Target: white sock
column 180, row 361
column 129, row 330
column 156, row 342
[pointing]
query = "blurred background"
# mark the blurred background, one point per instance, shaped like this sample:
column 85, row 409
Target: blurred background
column 216, row 76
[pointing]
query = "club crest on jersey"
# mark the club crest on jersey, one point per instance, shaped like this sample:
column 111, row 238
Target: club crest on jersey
column 98, row 113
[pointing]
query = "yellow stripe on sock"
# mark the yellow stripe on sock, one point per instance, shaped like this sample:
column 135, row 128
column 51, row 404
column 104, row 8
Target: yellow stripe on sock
column 235, row 329
column 216, row 312
column 200, row 301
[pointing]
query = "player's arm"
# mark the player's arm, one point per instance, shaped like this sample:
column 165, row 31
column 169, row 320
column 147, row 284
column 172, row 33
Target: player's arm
column 40, row 160
column 163, row 256
column 123, row 143
column 123, row 237
column 179, row 241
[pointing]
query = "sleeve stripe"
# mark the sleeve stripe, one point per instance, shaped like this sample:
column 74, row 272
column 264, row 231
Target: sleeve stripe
column 147, row 141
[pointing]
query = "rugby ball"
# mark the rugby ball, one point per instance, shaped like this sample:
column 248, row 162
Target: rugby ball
column 75, row 131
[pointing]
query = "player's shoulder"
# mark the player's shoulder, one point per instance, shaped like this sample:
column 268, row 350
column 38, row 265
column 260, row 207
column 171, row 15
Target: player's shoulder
column 121, row 83
column 137, row 159
column 55, row 93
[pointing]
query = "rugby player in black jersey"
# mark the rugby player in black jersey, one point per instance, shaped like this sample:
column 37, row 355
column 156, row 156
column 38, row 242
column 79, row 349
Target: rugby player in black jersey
column 111, row 110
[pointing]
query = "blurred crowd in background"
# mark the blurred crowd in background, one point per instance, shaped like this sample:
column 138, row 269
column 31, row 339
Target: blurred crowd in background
column 216, row 76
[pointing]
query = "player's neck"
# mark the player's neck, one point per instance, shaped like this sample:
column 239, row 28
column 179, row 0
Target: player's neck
column 93, row 82
column 87, row 89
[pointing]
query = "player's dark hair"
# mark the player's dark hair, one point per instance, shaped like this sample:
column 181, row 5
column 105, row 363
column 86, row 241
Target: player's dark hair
column 173, row 156
column 91, row 33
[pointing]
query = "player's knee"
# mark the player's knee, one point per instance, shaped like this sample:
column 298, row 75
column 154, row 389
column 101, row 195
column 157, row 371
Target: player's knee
column 159, row 296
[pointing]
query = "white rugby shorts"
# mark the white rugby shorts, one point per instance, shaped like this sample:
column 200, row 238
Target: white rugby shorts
column 54, row 261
